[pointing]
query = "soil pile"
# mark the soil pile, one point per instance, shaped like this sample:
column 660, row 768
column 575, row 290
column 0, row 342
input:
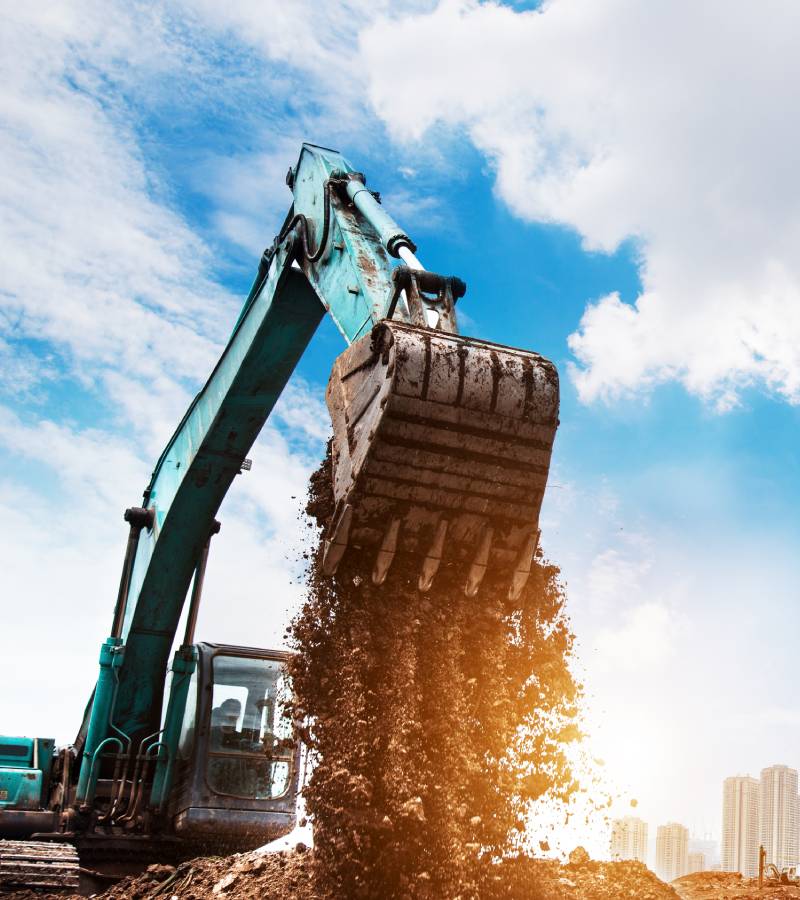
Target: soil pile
column 247, row 876
column 435, row 720
column 293, row 876
column 531, row 879
column 729, row 885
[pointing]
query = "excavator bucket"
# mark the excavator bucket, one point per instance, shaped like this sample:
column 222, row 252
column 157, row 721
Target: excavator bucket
column 441, row 450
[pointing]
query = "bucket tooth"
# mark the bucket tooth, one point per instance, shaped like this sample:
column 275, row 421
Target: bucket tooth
column 480, row 563
column 340, row 537
column 385, row 557
column 523, row 568
column 433, row 558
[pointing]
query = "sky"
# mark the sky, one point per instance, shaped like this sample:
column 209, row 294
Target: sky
column 616, row 183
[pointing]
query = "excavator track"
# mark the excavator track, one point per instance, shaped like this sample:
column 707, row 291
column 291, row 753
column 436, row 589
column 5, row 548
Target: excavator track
column 38, row 864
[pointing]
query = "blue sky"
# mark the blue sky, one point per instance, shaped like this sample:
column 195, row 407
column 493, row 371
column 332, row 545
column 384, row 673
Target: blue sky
column 616, row 195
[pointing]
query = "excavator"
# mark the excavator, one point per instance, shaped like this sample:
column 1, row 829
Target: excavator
column 440, row 452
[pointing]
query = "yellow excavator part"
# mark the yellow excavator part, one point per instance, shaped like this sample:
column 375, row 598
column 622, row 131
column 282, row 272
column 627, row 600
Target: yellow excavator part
column 441, row 449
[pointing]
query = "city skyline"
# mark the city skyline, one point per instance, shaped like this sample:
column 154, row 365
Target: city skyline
column 755, row 812
column 629, row 839
column 632, row 839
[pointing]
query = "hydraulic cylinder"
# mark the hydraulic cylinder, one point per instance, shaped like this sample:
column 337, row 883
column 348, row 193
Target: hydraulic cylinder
column 111, row 655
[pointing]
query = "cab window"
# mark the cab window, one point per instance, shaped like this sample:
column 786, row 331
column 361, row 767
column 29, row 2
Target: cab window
column 250, row 746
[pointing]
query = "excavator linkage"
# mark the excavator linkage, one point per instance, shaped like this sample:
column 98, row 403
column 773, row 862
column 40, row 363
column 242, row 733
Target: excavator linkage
column 441, row 449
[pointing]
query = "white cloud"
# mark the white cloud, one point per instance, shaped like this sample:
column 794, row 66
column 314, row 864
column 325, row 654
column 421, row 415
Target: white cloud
column 414, row 212
column 95, row 265
column 89, row 462
column 249, row 192
column 317, row 38
column 303, row 408
column 671, row 124
column 614, row 578
column 22, row 372
column 644, row 639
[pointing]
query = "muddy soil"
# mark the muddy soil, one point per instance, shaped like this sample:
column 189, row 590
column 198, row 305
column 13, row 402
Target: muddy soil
column 294, row 876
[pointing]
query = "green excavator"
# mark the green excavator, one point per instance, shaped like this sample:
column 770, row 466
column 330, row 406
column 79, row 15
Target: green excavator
column 441, row 449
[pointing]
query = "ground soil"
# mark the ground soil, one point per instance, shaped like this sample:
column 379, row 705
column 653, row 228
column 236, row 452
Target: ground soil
column 727, row 886
column 295, row 876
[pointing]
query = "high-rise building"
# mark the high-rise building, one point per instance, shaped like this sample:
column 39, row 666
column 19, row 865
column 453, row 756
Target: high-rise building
column 708, row 847
column 629, row 839
column 778, row 815
column 672, row 851
column 740, row 834
column 697, row 863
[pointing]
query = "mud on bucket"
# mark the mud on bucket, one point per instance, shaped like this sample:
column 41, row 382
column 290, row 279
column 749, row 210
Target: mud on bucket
column 441, row 449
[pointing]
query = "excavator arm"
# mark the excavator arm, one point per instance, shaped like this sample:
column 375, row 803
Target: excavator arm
column 441, row 443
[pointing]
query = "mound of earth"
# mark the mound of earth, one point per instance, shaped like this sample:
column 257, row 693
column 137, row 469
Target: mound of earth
column 532, row 879
column 282, row 876
column 296, row 875
column 730, row 886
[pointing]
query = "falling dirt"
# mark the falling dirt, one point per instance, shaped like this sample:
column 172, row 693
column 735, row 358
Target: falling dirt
column 435, row 720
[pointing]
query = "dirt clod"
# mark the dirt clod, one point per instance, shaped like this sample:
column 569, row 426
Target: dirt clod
column 579, row 857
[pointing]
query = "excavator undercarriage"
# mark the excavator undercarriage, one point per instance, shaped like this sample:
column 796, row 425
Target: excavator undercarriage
column 38, row 864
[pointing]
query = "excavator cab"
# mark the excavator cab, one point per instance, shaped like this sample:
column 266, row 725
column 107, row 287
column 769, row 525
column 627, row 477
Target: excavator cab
column 227, row 782
column 236, row 772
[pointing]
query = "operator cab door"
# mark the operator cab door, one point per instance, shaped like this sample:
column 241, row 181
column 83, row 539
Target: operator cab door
column 238, row 765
